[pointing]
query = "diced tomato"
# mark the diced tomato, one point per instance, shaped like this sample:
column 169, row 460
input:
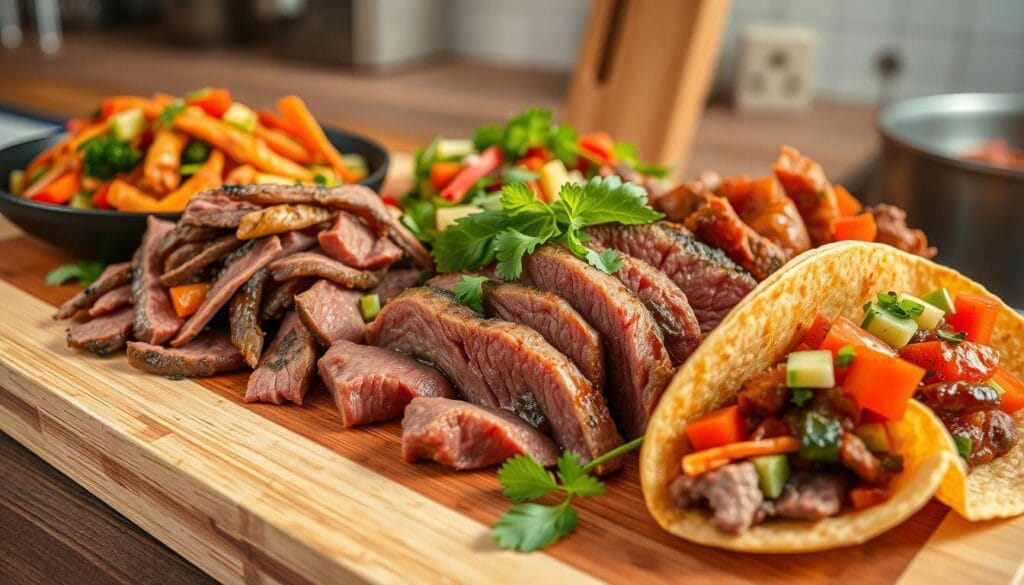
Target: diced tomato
column 187, row 298
column 531, row 163
column 599, row 146
column 862, row 497
column 390, row 200
column 718, row 428
column 1012, row 399
column 61, row 190
column 975, row 315
column 859, row 228
column 442, row 173
column 848, row 204
column 963, row 362
column 817, row 331
column 538, row 152
column 213, row 100
column 99, row 197
column 882, row 384
column 489, row 160
column 845, row 332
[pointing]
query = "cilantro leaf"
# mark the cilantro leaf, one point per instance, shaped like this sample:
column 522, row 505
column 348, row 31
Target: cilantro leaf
column 84, row 272
column 518, row 199
column 487, row 135
column 171, row 112
column 530, row 128
column 469, row 244
column 510, row 246
column 604, row 200
column 845, row 356
column 801, row 396
column 607, row 261
column 525, row 479
column 564, row 144
column 627, row 153
column 529, row 527
column 575, row 479
column 951, row 338
column 470, row 292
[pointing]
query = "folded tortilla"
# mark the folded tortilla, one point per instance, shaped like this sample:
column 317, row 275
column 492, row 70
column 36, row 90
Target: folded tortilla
column 833, row 280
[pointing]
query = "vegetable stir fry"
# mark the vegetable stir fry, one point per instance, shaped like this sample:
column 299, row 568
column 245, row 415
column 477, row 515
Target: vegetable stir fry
column 153, row 154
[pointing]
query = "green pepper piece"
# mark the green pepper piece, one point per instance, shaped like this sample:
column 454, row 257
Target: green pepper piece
column 772, row 473
column 820, row 438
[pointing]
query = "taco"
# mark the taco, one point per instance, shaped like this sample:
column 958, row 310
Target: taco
column 925, row 367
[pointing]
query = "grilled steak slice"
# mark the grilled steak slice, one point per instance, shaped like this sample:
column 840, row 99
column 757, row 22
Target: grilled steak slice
column 395, row 281
column 112, row 300
column 112, row 277
column 279, row 219
column 466, row 436
column 244, row 318
column 212, row 252
column 331, row 313
column 282, row 297
column 102, row 335
column 372, row 384
column 241, row 265
column 213, row 209
column 286, row 368
column 499, row 364
column 667, row 304
column 349, row 240
column 639, row 367
column 893, row 230
column 184, row 234
column 715, row 223
column 206, row 355
column 155, row 319
column 713, row 283
column 182, row 254
column 316, row 264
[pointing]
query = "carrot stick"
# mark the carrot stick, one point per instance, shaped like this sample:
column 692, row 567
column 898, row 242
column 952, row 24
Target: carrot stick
column 56, row 170
column 209, row 176
column 700, row 462
column 163, row 161
column 241, row 175
column 295, row 110
column 90, row 132
column 283, row 144
column 124, row 196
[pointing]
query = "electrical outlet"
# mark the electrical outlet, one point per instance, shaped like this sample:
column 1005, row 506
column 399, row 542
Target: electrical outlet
column 775, row 68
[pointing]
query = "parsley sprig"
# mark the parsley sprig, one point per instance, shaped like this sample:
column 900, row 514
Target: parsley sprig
column 524, row 222
column 531, row 526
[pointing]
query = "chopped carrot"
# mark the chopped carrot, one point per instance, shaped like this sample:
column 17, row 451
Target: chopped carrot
column 276, row 122
column 881, row 383
column 213, row 100
column 717, row 428
column 123, row 196
column 121, row 103
column 57, row 169
column 817, row 331
column 99, row 197
column 845, row 332
column 1012, row 399
column 442, row 173
column 975, row 315
column 863, row 497
column 187, row 298
column 295, row 110
column 90, row 132
column 848, row 204
column 241, row 175
column 695, row 464
column 44, row 158
column 61, row 190
column 209, row 176
column 283, row 144
column 860, row 228
column 163, row 99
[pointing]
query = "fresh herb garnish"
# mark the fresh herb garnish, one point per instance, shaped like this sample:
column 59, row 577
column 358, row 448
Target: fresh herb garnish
column 951, row 338
column 84, row 272
column 964, row 445
column 627, row 153
column 105, row 156
column 531, row 526
column 845, row 356
column 470, row 292
column 196, row 151
column 905, row 309
column 800, row 396
column 170, row 113
column 525, row 222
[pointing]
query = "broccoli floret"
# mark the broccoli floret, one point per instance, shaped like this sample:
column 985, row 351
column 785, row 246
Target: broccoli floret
column 106, row 156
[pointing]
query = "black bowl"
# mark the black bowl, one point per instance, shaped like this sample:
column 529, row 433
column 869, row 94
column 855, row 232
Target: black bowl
column 100, row 234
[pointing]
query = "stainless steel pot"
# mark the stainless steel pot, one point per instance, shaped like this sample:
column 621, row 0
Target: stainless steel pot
column 972, row 211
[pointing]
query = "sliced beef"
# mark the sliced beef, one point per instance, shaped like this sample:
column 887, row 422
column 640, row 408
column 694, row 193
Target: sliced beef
column 638, row 364
column 810, row 496
column 183, row 254
column 286, row 368
column 855, row 456
column 213, row 209
column 112, row 277
column 992, row 433
column 395, row 281
column 555, row 319
column 466, row 436
column 331, row 313
column 764, row 394
column 372, row 384
column 281, row 298
column 155, row 319
column 667, row 304
column 279, row 219
column 715, row 223
column 499, row 364
column 713, row 283
column 893, row 230
column 241, row 265
column 731, row 492
column 112, row 300
column 958, row 396
column 212, row 252
column 184, row 234
column 102, row 335
column 316, row 264
column 244, row 318
column 206, row 355
column 349, row 240
column 295, row 242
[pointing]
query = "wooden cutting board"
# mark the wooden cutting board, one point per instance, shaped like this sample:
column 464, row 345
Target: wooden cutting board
column 283, row 494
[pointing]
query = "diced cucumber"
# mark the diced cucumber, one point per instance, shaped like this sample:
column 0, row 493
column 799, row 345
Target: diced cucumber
column 454, row 148
column 889, row 328
column 942, row 299
column 772, row 473
column 810, row 369
column 81, row 200
column 16, row 182
column 356, row 163
column 930, row 314
column 875, row 437
column 552, row 176
column 190, row 169
column 128, row 125
column 995, row 386
column 446, row 216
column 241, row 116
column 269, row 179
column 369, row 306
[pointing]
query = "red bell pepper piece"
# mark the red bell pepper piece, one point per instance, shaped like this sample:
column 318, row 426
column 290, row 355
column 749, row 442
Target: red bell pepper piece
column 489, row 160
column 538, row 152
column 963, row 362
column 717, row 428
column 442, row 173
column 213, row 100
column 975, row 316
column 881, row 383
column 60, row 191
column 1012, row 399
column 845, row 332
column 99, row 197
column 817, row 331
column 599, row 146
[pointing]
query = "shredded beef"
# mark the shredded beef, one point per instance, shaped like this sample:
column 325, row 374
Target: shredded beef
column 731, row 492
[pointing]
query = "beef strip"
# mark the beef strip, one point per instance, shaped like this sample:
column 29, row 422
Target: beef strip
column 713, row 283
column 350, row 241
column 184, row 234
column 372, row 384
column 112, row 277
column 331, row 313
column 244, row 318
column 212, row 252
column 206, row 355
column 281, row 298
column 112, row 300
column 286, row 369
column 764, row 394
column 639, row 367
column 837, row 405
column 155, row 319
column 295, row 242
column 805, row 183
column 715, row 223
column 213, row 209
column 764, row 206
column 242, row 264
column 893, row 230
column 182, row 254
column 395, row 281
column 466, row 436
column 958, row 396
column 316, row 264
column 811, row 496
column 992, row 433
column 102, row 335
column 856, row 457
column 279, row 219
column 731, row 492
column 667, row 304
column 499, row 364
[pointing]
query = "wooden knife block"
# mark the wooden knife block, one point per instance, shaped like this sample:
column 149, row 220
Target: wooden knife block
column 644, row 71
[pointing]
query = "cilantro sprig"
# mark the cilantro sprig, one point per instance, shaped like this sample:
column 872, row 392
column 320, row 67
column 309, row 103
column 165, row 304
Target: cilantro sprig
column 530, row 526
column 84, row 272
column 470, row 292
column 524, row 222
